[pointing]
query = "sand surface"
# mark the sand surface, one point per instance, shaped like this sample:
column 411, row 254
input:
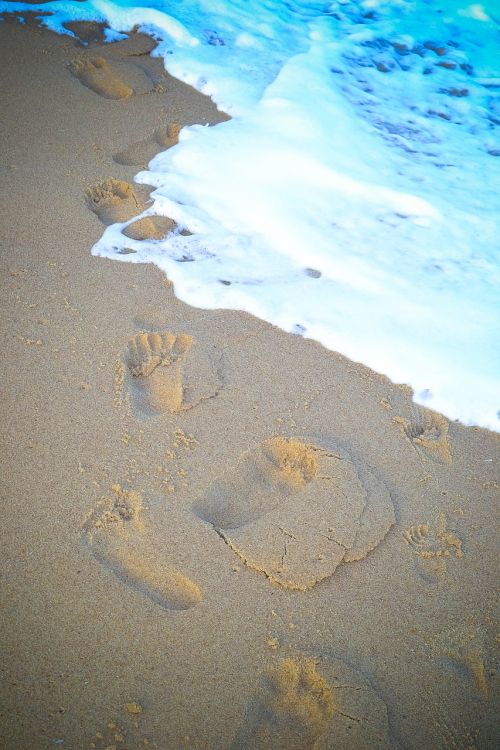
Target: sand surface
column 214, row 534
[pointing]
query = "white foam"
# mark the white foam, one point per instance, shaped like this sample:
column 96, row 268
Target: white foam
column 352, row 152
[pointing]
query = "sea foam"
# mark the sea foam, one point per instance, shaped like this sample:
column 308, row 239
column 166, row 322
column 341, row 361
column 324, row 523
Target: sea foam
column 353, row 197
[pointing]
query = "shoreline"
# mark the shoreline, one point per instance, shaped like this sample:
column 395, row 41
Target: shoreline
column 162, row 615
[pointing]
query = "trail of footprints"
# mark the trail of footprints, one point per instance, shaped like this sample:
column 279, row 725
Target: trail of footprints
column 167, row 373
column 290, row 510
column 119, row 76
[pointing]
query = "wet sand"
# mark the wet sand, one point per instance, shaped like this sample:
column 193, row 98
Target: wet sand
column 214, row 534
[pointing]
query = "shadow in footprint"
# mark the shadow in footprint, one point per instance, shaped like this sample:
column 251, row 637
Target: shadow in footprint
column 169, row 372
column 295, row 511
column 304, row 703
column 117, row 536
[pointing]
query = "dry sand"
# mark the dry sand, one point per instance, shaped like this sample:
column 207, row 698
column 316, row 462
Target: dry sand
column 214, row 534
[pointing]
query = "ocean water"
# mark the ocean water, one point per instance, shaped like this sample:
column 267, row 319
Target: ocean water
column 354, row 196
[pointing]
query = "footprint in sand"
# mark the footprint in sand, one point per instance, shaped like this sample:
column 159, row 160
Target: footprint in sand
column 97, row 74
column 117, row 536
column 428, row 433
column 87, row 32
column 150, row 228
column 141, row 152
column 169, row 372
column 434, row 547
column 306, row 704
column 295, row 511
column 112, row 80
column 463, row 649
column 117, row 201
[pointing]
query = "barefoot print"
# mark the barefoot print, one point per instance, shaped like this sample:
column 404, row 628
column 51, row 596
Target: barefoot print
column 434, row 547
column 427, row 432
column 169, row 372
column 116, row 79
column 294, row 511
column 114, row 201
column 305, row 704
column 140, row 153
column 118, row 537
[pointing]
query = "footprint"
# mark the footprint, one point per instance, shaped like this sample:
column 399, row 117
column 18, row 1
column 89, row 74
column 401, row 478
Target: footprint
column 294, row 511
column 428, row 433
column 112, row 80
column 305, row 704
column 87, row 31
column 115, row 200
column 464, row 648
column 150, row 228
column 169, row 372
column 434, row 546
column 99, row 76
column 141, row 152
column 117, row 536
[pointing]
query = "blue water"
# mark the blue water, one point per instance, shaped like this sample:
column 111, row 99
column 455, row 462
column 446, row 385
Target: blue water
column 363, row 145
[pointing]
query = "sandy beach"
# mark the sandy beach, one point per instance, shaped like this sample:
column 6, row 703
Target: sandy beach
column 214, row 534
